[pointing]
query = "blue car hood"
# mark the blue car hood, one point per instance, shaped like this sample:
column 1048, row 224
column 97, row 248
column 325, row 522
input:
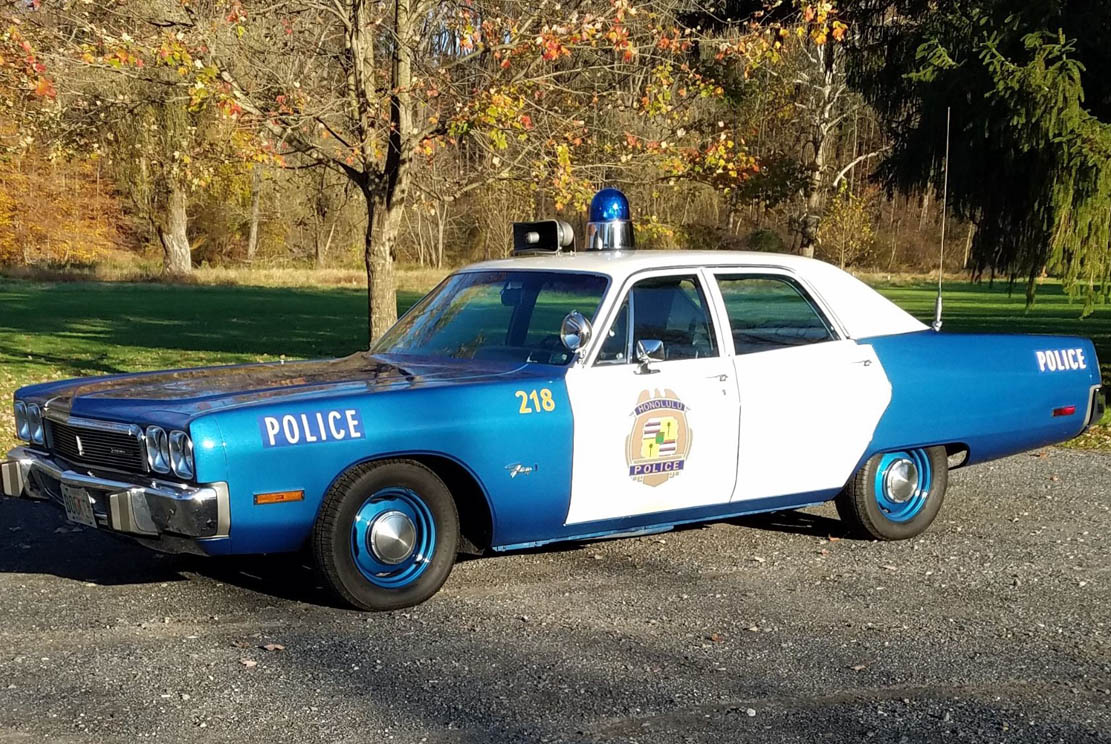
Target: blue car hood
column 175, row 396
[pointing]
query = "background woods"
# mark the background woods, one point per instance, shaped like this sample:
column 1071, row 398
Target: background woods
column 347, row 133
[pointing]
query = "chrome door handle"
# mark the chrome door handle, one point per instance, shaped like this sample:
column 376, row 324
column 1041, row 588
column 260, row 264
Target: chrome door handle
column 865, row 362
column 719, row 378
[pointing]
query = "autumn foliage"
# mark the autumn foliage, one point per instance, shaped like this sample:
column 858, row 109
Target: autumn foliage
column 57, row 212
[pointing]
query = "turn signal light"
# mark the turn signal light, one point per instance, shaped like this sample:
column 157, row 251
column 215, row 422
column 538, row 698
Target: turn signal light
column 279, row 497
column 1064, row 411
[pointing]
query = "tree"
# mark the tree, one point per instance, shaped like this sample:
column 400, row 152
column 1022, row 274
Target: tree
column 1028, row 88
column 792, row 63
column 132, row 84
column 564, row 97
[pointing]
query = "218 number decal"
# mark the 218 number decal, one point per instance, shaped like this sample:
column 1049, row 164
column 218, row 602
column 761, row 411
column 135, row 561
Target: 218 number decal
column 539, row 403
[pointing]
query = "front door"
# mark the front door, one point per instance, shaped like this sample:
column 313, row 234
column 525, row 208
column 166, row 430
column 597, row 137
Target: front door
column 662, row 436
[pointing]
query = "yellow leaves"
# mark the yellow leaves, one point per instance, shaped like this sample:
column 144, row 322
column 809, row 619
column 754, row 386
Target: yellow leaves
column 819, row 22
column 54, row 212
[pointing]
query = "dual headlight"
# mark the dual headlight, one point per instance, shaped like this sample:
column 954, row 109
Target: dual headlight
column 28, row 422
column 169, row 452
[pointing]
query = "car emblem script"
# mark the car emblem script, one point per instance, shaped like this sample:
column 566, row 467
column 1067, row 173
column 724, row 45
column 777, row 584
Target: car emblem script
column 80, row 446
column 657, row 447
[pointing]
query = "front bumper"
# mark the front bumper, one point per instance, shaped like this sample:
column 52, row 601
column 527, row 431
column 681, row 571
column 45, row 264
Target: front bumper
column 136, row 506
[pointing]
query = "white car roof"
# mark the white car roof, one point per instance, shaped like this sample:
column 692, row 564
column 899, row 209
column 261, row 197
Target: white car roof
column 860, row 310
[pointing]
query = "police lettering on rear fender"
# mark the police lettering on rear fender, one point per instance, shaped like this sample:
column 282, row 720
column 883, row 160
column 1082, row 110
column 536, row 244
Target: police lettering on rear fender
column 580, row 389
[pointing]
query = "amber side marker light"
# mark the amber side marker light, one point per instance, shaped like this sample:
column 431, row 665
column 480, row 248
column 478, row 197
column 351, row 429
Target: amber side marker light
column 1064, row 411
column 279, row 497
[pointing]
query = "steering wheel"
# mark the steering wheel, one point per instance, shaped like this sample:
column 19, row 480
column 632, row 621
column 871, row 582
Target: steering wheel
column 553, row 345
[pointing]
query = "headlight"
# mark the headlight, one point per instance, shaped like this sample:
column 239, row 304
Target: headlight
column 22, row 425
column 181, row 454
column 158, row 449
column 34, row 423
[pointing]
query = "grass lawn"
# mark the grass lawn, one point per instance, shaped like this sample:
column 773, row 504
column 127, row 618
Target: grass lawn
column 56, row 330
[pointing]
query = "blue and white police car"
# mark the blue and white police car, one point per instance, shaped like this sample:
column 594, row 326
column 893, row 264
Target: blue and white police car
column 557, row 395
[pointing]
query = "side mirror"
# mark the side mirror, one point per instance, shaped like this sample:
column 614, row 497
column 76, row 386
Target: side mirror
column 575, row 331
column 649, row 350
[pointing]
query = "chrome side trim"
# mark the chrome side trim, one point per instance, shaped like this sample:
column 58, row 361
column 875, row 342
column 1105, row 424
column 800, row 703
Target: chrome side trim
column 1093, row 405
column 12, row 481
column 223, row 509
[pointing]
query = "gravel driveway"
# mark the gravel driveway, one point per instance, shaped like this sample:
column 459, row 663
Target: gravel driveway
column 994, row 626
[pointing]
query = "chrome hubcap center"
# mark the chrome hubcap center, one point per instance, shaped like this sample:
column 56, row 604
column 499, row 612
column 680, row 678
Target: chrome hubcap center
column 901, row 480
column 391, row 537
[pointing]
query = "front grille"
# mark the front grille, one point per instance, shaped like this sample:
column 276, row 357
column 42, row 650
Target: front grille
column 90, row 446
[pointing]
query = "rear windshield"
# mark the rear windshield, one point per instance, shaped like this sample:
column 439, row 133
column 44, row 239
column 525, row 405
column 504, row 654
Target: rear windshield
column 497, row 315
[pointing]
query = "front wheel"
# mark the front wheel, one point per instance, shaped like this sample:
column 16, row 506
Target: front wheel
column 895, row 495
column 387, row 535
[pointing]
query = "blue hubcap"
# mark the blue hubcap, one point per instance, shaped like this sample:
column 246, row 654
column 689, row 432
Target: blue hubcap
column 902, row 484
column 393, row 538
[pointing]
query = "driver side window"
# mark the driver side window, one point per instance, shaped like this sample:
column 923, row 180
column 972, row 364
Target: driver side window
column 671, row 309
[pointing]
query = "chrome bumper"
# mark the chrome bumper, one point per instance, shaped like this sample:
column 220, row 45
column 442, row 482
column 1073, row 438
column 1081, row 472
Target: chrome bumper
column 149, row 508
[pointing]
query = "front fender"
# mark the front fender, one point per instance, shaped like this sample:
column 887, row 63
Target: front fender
column 479, row 426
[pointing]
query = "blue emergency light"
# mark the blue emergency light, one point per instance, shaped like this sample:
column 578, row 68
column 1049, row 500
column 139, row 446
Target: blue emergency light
column 611, row 223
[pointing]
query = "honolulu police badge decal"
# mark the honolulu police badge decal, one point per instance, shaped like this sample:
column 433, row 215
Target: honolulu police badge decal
column 660, row 441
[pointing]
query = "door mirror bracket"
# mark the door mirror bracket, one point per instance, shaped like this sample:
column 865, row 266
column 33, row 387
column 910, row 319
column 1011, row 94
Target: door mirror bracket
column 649, row 350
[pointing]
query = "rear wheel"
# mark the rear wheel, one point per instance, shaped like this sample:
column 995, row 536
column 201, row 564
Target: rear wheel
column 387, row 535
column 895, row 495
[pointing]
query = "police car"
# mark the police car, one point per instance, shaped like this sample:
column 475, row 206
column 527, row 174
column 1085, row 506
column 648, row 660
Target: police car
column 558, row 395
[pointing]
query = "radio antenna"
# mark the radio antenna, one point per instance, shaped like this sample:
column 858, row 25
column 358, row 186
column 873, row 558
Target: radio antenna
column 944, row 215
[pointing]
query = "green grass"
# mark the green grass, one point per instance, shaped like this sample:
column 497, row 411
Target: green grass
column 51, row 331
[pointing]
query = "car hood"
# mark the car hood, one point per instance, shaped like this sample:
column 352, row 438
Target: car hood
column 177, row 395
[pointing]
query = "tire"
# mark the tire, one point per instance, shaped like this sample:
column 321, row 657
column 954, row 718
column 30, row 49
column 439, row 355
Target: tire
column 895, row 495
column 359, row 539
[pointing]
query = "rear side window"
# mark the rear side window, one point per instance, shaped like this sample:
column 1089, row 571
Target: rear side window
column 770, row 312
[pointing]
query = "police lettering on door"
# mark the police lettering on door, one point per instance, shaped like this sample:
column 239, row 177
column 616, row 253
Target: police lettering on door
column 308, row 428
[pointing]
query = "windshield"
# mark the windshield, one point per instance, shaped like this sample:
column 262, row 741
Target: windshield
column 501, row 315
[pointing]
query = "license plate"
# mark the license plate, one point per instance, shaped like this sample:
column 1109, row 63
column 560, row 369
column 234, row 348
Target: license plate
column 79, row 507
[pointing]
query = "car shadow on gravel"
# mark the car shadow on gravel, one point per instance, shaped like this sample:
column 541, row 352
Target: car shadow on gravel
column 795, row 523
column 36, row 539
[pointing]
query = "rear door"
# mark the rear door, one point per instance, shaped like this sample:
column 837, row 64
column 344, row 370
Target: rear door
column 810, row 397
column 662, row 438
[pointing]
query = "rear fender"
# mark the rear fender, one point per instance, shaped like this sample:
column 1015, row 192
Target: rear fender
column 996, row 394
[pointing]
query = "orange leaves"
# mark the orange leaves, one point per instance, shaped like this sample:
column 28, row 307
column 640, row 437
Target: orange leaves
column 44, row 88
column 52, row 210
column 20, row 67
column 550, row 43
column 818, row 22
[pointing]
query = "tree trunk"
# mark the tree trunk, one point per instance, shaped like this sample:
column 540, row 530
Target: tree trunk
column 826, row 97
column 968, row 244
column 322, row 247
column 177, row 258
column 441, row 214
column 812, row 219
column 256, row 197
column 378, row 256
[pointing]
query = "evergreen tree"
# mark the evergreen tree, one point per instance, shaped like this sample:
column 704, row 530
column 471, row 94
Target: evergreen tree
column 1029, row 86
